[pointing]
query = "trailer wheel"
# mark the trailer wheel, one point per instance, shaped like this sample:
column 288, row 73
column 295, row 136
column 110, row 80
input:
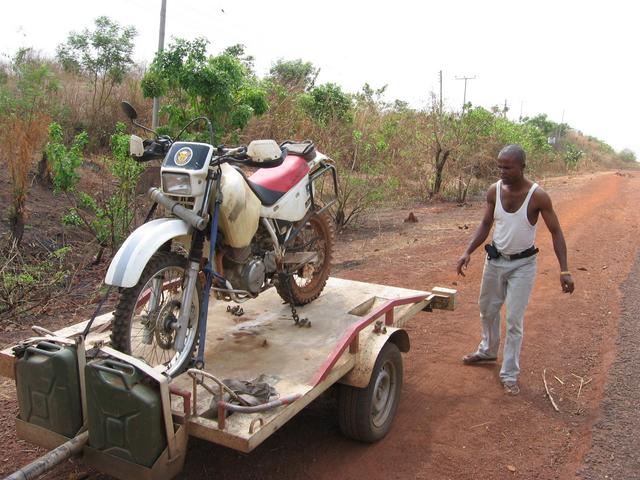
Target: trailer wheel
column 366, row 414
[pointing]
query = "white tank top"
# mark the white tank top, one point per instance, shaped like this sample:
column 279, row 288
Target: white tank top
column 513, row 233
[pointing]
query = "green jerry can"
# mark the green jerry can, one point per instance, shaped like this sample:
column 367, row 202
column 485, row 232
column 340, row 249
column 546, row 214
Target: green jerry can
column 124, row 412
column 48, row 386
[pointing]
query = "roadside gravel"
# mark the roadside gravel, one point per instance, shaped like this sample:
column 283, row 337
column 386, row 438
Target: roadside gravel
column 616, row 436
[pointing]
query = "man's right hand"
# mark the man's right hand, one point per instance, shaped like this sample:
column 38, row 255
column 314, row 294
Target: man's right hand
column 463, row 263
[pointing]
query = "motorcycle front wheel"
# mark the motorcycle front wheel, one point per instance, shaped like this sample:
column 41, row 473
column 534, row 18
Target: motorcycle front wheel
column 305, row 284
column 145, row 314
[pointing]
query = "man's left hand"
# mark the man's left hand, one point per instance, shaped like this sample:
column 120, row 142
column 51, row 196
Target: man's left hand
column 566, row 281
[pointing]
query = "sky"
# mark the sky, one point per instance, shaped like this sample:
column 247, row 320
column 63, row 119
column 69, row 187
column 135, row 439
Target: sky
column 576, row 61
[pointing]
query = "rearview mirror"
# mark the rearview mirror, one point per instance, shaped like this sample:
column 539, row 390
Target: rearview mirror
column 128, row 110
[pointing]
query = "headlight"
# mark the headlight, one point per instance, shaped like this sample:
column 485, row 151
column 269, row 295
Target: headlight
column 176, row 184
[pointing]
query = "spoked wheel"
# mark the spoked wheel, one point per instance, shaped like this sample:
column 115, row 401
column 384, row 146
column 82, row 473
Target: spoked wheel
column 145, row 316
column 366, row 414
column 306, row 283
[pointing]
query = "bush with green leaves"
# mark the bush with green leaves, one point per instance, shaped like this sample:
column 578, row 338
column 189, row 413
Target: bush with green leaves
column 108, row 219
column 113, row 216
column 63, row 161
column 326, row 102
column 572, row 156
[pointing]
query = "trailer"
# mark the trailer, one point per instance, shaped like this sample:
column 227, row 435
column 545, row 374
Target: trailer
column 260, row 370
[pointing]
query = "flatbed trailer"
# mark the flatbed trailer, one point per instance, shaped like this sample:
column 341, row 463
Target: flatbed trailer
column 353, row 338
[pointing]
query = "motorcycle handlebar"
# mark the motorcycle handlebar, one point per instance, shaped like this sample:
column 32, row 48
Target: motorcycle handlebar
column 238, row 153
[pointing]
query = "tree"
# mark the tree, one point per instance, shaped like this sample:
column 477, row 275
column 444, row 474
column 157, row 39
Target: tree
column 327, row 102
column 222, row 88
column 475, row 151
column 627, row 155
column 294, row 75
column 104, row 55
column 442, row 141
column 548, row 128
column 238, row 51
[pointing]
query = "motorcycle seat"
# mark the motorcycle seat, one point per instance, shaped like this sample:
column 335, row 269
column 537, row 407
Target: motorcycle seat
column 270, row 184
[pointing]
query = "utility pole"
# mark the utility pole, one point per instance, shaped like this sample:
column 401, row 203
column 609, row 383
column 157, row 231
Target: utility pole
column 440, row 92
column 464, row 98
column 521, row 104
column 156, row 100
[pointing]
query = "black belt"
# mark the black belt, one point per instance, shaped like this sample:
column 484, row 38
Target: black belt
column 529, row 252
column 493, row 253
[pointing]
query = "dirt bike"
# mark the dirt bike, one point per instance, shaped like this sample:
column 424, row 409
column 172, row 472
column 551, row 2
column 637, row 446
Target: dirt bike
column 223, row 231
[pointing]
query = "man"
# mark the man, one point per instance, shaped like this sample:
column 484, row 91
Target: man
column 514, row 203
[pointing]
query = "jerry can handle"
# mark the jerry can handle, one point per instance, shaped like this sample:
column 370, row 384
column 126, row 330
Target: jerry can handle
column 114, row 371
column 54, row 348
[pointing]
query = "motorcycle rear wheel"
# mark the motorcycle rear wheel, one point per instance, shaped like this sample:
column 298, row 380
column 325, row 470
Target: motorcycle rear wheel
column 306, row 284
column 141, row 323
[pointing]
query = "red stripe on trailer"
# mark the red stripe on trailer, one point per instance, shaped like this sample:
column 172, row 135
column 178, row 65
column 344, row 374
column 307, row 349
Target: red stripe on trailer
column 352, row 333
column 284, row 177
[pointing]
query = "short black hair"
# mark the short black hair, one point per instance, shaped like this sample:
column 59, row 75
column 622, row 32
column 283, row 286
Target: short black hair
column 516, row 151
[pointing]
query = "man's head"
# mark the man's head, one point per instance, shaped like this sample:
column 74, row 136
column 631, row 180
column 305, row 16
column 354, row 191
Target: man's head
column 511, row 163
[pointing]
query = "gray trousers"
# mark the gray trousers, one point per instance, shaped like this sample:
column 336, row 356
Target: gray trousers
column 510, row 282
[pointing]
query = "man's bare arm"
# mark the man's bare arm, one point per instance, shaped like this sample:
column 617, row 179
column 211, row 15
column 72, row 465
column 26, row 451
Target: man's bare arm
column 481, row 233
column 543, row 202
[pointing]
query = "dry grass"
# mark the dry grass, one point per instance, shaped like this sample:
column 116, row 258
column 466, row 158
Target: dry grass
column 20, row 140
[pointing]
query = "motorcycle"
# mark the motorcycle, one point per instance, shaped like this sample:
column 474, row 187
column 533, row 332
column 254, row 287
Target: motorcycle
column 224, row 231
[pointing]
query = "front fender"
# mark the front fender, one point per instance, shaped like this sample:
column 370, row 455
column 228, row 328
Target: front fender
column 130, row 260
column 369, row 346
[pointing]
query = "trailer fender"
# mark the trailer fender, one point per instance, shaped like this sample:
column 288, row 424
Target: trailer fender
column 369, row 345
column 134, row 254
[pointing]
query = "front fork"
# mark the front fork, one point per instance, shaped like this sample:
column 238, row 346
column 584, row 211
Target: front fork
column 188, row 290
column 195, row 255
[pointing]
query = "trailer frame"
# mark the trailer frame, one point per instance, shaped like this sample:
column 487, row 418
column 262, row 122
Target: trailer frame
column 344, row 353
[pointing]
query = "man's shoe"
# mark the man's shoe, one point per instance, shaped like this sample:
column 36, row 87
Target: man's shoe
column 511, row 388
column 474, row 358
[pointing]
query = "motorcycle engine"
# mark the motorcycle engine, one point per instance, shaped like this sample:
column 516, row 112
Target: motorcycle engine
column 246, row 271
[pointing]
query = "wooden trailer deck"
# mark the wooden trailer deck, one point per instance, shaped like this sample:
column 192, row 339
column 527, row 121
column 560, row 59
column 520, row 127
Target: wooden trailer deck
column 295, row 360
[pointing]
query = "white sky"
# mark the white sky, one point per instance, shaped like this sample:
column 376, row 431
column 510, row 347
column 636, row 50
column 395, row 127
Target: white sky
column 576, row 57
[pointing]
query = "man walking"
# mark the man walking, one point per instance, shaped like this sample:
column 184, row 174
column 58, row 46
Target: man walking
column 514, row 203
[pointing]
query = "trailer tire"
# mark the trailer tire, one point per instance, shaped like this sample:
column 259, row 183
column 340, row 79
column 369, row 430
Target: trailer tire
column 366, row 414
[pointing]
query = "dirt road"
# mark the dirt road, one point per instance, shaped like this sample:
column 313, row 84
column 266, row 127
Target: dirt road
column 454, row 421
